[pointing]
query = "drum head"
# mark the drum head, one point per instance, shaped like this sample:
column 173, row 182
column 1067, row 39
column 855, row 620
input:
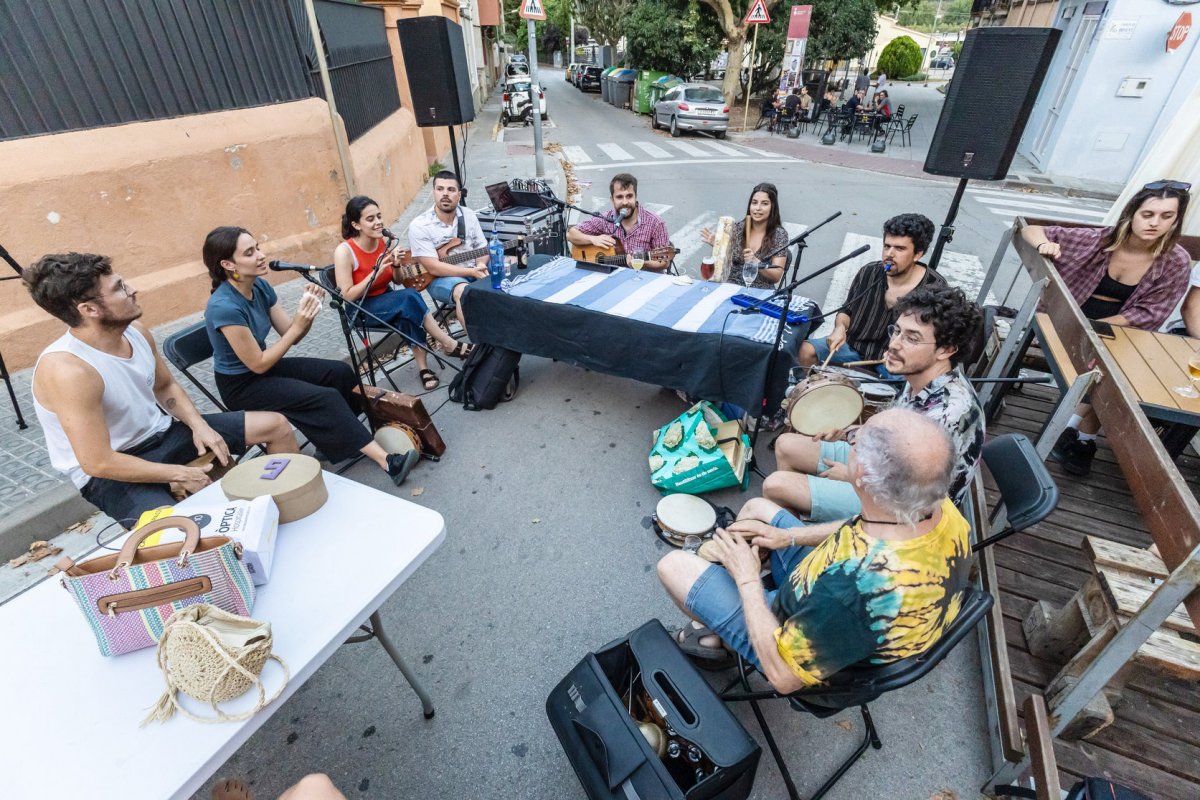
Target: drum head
column 825, row 408
column 877, row 392
column 685, row 515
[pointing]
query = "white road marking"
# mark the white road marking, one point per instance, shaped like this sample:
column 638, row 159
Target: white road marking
column 725, row 149
column 681, row 161
column 688, row 240
column 652, row 150
column 1005, row 207
column 756, row 151
column 688, row 149
column 576, row 154
column 980, row 194
column 615, row 152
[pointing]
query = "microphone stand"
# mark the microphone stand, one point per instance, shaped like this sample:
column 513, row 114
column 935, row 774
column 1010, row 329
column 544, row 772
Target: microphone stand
column 801, row 244
column 12, row 395
column 773, row 358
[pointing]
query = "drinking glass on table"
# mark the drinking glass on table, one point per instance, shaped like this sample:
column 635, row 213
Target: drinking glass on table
column 1193, row 370
column 708, row 268
column 749, row 272
column 637, row 262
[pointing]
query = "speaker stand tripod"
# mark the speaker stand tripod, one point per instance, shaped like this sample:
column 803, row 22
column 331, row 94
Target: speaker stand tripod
column 12, row 395
column 946, row 234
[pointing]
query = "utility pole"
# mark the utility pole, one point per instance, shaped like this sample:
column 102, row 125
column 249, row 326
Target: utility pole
column 933, row 33
column 539, row 164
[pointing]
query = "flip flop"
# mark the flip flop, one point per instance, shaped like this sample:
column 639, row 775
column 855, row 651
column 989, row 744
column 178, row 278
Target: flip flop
column 710, row 658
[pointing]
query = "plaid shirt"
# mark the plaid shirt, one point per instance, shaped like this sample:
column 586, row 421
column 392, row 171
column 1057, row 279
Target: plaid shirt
column 1083, row 263
column 649, row 232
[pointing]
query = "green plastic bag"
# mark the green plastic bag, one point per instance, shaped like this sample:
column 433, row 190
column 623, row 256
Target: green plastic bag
column 699, row 451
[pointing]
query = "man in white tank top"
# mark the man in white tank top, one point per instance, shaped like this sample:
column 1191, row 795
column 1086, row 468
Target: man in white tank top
column 99, row 392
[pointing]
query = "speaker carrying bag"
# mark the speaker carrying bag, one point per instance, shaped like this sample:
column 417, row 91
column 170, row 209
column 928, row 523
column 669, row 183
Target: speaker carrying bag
column 489, row 375
column 636, row 719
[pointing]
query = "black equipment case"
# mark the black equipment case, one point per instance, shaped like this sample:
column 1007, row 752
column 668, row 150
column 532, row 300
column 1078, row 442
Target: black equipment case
column 590, row 710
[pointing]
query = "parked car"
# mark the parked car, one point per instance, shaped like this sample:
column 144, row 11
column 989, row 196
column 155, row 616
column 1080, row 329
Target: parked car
column 516, row 98
column 942, row 62
column 692, row 107
column 518, row 58
column 589, row 80
column 569, row 74
column 515, row 68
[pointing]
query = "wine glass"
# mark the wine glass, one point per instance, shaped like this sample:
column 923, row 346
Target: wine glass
column 637, row 262
column 749, row 272
column 1193, row 370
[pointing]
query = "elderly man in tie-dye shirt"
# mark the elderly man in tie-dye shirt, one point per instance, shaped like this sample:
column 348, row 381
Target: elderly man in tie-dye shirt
column 874, row 589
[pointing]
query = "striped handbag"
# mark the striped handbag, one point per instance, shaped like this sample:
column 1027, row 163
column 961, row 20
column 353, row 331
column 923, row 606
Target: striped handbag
column 126, row 598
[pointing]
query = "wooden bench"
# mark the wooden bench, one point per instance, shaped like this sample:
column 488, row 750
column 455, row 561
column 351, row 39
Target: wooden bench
column 1123, row 578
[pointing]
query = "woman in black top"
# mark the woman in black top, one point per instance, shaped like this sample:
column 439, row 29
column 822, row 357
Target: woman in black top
column 765, row 236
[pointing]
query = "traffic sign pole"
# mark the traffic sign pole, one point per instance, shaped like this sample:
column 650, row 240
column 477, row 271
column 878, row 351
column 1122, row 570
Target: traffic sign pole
column 750, row 80
column 538, row 159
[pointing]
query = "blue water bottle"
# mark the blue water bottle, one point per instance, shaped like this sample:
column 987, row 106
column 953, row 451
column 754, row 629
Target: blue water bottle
column 496, row 261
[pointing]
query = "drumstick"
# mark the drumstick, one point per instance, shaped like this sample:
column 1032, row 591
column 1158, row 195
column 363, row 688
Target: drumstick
column 828, row 358
column 863, row 363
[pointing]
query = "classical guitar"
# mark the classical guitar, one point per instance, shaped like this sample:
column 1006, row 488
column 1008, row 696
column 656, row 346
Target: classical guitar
column 410, row 272
column 617, row 255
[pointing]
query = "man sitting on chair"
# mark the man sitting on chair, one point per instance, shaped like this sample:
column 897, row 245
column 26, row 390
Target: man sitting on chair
column 880, row 587
column 441, row 225
column 637, row 229
column 100, row 389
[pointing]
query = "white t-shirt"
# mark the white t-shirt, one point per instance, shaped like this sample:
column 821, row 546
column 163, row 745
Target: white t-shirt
column 427, row 233
column 1176, row 318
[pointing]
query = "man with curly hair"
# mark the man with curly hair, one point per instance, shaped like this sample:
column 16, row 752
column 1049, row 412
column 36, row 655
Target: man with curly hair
column 860, row 328
column 936, row 330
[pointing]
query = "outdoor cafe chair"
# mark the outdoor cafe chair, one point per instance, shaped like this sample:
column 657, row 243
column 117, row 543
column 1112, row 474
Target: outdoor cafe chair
column 1028, row 493
column 858, row 685
column 905, row 130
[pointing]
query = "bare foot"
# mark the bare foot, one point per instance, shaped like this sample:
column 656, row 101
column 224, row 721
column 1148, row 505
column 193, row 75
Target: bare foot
column 231, row 789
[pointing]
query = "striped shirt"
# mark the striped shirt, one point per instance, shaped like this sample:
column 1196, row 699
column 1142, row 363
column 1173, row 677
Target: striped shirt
column 649, row 232
column 1083, row 263
column 868, row 310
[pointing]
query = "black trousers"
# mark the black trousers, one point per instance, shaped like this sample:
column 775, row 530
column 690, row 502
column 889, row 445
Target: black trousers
column 315, row 394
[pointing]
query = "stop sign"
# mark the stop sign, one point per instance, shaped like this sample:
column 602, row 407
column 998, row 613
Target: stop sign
column 1179, row 31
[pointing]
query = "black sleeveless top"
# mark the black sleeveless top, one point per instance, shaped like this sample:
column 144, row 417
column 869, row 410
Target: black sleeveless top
column 1097, row 308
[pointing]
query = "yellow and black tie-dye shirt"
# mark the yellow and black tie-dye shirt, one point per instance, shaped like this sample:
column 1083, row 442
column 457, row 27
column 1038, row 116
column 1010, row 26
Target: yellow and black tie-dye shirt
column 856, row 598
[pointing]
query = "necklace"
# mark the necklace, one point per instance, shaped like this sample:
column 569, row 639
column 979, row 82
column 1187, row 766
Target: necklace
column 861, row 518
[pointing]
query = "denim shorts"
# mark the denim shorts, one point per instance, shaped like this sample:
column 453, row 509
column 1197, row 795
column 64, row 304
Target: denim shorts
column 714, row 600
column 442, row 289
column 832, row 500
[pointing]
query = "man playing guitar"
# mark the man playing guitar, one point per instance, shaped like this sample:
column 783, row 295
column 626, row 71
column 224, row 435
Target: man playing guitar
column 440, row 232
column 636, row 231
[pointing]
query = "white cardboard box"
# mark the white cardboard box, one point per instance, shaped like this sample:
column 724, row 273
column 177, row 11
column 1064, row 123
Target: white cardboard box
column 254, row 523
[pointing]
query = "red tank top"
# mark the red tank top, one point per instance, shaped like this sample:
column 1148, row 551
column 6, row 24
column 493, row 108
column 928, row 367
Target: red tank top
column 364, row 262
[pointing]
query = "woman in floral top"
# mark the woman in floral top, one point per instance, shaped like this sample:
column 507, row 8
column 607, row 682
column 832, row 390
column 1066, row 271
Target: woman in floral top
column 766, row 235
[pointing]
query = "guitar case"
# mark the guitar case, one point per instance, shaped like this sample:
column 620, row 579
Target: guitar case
column 384, row 407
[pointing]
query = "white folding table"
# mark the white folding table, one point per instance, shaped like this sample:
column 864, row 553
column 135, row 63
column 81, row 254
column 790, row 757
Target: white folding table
column 70, row 720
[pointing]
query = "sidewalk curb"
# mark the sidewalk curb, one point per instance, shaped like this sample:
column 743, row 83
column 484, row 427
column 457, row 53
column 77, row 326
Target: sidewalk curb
column 45, row 517
column 1059, row 191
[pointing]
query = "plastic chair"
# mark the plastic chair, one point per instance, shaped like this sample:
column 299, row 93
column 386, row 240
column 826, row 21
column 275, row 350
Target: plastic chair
column 187, row 348
column 1028, row 493
column 859, row 685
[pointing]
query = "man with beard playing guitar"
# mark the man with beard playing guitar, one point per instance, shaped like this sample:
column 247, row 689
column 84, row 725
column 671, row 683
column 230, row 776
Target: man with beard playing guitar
column 640, row 233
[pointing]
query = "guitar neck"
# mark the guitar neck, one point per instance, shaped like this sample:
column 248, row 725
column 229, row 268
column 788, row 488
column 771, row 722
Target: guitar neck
column 471, row 255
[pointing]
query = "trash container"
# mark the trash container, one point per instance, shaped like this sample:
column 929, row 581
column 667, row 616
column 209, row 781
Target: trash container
column 622, row 91
column 606, row 84
column 643, row 90
column 661, row 86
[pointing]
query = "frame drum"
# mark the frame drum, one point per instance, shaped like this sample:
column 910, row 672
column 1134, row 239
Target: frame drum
column 678, row 516
column 823, row 404
column 876, row 397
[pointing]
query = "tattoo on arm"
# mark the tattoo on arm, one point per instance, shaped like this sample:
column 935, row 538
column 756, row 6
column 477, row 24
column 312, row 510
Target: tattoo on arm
column 171, row 403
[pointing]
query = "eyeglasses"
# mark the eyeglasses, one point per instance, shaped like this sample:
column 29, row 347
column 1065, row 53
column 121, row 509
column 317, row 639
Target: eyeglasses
column 852, row 434
column 908, row 339
column 121, row 287
column 1177, row 186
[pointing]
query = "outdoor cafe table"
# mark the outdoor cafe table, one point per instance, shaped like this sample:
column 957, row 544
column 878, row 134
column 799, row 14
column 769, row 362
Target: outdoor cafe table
column 640, row 325
column 1154, row 364
column 71, row 716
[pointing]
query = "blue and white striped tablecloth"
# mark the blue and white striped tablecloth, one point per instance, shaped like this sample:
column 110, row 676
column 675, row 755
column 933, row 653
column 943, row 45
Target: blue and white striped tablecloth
column 655, row 298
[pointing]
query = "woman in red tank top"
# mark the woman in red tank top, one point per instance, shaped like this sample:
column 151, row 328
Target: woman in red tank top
column 354, row 261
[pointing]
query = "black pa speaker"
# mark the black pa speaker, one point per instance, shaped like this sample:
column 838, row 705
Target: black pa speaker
column 435, row 58
column 996, row 82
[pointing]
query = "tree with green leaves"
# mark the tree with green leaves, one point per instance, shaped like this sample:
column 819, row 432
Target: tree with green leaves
column 671, row 35
column 605, row 19
column 901, row 57
column 841, row 29
column 736, row 33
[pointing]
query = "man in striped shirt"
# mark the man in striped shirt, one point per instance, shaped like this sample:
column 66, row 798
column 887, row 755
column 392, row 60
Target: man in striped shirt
column 638, row 229
column 860, row 328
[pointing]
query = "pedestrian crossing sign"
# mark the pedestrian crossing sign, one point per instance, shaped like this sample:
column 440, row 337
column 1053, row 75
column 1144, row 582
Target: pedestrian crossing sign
column 757, row 15
column 536, row 9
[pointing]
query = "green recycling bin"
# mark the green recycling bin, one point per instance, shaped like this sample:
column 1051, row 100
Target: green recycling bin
column 643, row 90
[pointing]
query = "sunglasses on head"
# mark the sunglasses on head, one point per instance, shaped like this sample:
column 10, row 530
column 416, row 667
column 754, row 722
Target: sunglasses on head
column 1178, row 186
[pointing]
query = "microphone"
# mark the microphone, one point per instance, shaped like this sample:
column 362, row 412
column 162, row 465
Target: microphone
column 287, row 266
column 887, row 266
column 389, row 235
column 622, row 214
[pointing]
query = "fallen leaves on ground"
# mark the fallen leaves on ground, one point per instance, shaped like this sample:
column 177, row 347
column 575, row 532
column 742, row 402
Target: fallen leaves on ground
column 80, row 527
column 844, row 724
column 944, row 794
column 417, row 491
column 37, row 551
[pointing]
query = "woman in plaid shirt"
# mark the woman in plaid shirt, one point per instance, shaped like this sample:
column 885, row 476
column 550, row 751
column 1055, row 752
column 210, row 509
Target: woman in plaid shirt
column 1131, row 274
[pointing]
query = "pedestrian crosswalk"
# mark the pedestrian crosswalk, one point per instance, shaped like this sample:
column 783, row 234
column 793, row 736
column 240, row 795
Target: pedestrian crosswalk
column 601, row 155
column 1006, row 204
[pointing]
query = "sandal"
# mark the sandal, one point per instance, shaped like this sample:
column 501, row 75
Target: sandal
column 461, row 350
column 429, row 379
column 710, row 658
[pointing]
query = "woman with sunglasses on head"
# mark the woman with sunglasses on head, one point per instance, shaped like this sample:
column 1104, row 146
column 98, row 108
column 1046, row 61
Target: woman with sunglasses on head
column 354, row 262
column 765, row 235
column 1132, row 274
column 315, row 394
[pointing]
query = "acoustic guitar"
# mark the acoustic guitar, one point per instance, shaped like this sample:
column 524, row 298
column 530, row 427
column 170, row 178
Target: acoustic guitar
column 409, row 271
column 617, row 255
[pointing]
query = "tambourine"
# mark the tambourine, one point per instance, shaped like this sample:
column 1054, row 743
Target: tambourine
column 688, row 522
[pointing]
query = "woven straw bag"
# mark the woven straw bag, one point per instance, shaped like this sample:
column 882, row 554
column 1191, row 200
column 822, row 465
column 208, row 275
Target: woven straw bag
column 213, row 656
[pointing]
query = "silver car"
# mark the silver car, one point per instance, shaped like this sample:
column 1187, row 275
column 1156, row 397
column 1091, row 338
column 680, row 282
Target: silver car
column 692, row 107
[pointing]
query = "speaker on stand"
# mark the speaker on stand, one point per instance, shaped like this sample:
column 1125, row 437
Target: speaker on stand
column 439, row 79
column 996, row 82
